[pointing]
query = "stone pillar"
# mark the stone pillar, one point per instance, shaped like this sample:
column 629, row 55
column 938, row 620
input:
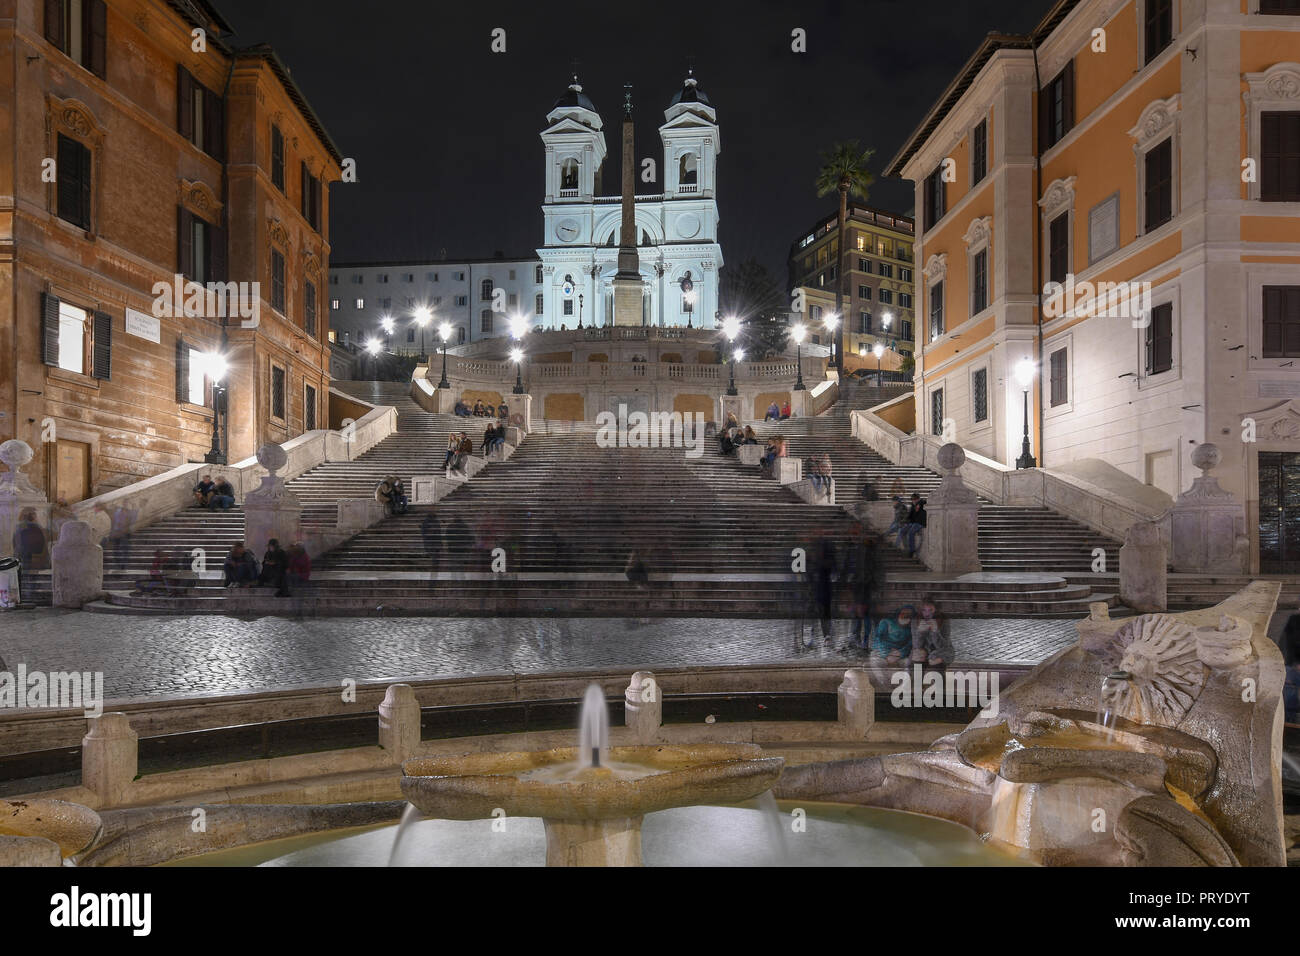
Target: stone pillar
column 950, row 541
column 643, row 707
column 857, row 703
column 399, row 722
column 521, row 411
column 731, row 405
column 271, row 511
column 444, row 400
column 1143, row 577
column 20, row 501
column 109, row 758
column 1207, row 525
column 800, row 402
column 78, row 566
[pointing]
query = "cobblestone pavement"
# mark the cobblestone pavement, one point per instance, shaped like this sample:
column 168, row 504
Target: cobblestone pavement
column 151, row 658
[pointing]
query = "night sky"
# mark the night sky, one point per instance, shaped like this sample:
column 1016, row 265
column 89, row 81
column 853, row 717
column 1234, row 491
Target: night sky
column 445, row 132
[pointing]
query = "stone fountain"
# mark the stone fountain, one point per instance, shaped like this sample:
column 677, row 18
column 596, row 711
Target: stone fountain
column 1179, row 765
column 592, row 797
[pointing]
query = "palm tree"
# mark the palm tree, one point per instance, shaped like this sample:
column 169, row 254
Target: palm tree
column 844, row 170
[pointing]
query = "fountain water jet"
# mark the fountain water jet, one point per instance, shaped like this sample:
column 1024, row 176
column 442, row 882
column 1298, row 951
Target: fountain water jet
column 593, row 727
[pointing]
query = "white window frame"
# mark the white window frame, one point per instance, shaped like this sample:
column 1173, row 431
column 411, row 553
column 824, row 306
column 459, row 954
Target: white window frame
column 1277, row 89
column 1160, row 120
column 978, row 238
column 1058, row 199
column 1258, row 276
column 1065, row 340
column 1168, row 294
column 970, row 168
column 1175, row 29
column 72, row 336
column 987, row 423
column 196, row 389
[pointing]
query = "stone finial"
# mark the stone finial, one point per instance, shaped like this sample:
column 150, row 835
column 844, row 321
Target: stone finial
column 951, row 456
column 272, row 457
column 643, row 706
column 109, row 758
column 399, row 721
column 16, row 453
column 1206, row 456
column 857, row 702
column 952, row 489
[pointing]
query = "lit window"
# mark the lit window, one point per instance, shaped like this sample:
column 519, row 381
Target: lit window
column 72, row 337
column 195, row 392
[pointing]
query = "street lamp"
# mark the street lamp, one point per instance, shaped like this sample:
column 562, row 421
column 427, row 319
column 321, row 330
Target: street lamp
column 518, row 329
column 422, row 318
column 731, row 328
column 831, row 322
column 1025, row 376
column 579, row 310
column 798, row 333
column 517, row 356
column 878, row 350
column 386, row 321
column 215, row 367
column 444, row 332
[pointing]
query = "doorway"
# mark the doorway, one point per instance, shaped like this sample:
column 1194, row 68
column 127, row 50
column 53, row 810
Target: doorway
column 1279, row 512
column 71, row 471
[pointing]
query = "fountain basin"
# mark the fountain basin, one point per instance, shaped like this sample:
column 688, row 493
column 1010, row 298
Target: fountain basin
column 69, row 825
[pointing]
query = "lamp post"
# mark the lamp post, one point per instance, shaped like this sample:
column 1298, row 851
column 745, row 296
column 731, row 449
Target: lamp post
column 386, row 322
column 798, row 333
column 579, row 310
column 731, row 328
column 518, row 329
column 831, row 322
column 444, row 331
column 1025, row 376
column 216, row 368
column 878, row 350
column 422, row 317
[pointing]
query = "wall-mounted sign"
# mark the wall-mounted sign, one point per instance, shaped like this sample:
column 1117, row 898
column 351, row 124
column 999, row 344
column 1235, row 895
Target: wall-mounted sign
column 143, row 326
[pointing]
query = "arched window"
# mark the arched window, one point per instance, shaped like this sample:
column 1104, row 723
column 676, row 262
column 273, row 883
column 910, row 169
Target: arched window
column 569, row 174
column 485, row 322
column 687, row 170
column 485, row 290
column 460, row 335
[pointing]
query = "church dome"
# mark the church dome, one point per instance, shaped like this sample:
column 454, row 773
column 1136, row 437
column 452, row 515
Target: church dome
column 574, row 98
column 690, row 93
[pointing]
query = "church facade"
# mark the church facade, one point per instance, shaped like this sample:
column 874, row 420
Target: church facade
column 677, row 230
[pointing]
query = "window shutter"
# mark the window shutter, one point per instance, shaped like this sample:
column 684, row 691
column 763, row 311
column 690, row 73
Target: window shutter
column 83, row 197
column 69, row 176
column 1067, row 96
column 217, row 253
column 305, row 201
column 184, row 242
column 49, row 329
column 182, row 371
column 316, row 204
column 214, row 123
column 103, row 346
column 97, row 38
column 54, row 22
column 184, row 102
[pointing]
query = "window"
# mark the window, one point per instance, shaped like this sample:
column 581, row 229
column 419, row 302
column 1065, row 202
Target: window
column 1056, row 108
column 1160, row 339
column 1291, row 7
column 934, row 198
column 410, row 335
column 311, row 198
column 73, row 170
column 334, row 280
column 569, row 175
column 437, row 300
column 485, row 322
column 277, row 280
column 1279, row 160
column 864, row 292
column 69, row 332
column 1060, row 385
column 309, row 409
column 382, row 278
column 884, row 247
column 907, row 329
column 277, row 392
column 864, row 265
column 485, row 290
column 537, row 275
column 196, row 387
column 433, row 276
column 201, row 248
column 885, row 297
column 687, row 171
column 979, row 152
column 979, row 299
column 568, row 307
column 904, row 300
column 79, row 28
column 1159, row 184
column 309, row 308
column 936, row 412
column 1159, row 28
column 1282, row 321
column 980, row 394
column 386, row 304
column 936, row 310
column 1058, row 246
column 539, row 301
column 359, row 304
column 904, row 275
column 277, row 158
column 458, row 276
column 512, row 301
column 357, row 280
column 864, row 322
column 886, row 270
column 408, row 277
column 335, row 305
column 462, row 300
column 201, row 114
column 862, row 244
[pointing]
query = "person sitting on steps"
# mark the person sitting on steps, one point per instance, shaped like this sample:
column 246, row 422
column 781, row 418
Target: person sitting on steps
column 240, row 567
column 916, row 520
column 453, row 442
column 773, row 413
column 275, row 562
column 203, row 491
column 223, row 495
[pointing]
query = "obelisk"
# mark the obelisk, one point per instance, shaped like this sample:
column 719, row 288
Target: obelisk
column 627, row 282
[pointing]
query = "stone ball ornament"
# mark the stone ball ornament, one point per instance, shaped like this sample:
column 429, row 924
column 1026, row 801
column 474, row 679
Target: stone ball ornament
column 1206, row 456
column 15, row 453
column 272, row 457
column 951, row 456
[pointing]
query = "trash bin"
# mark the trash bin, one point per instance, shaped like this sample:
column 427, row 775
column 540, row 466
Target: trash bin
column 9, row 594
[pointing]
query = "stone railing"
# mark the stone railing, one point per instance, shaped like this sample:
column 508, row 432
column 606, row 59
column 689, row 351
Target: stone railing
column 823, row 396
column 463, row 371
column 163, row 495
column 1096, row 507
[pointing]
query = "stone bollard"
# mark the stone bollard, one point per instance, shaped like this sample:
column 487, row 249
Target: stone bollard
column 950, row 539
column 749, row 454
column 78, row 566
column 1207, row 525
column 272, row 510
column 789, row 470
column 857, row 703
column 109, row 758
column 1143, row 577
column 643, row 707
column 399, row 722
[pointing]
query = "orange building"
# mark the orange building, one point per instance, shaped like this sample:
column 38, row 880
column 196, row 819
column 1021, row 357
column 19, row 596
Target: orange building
column 1112, row 204
column 150, row 155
